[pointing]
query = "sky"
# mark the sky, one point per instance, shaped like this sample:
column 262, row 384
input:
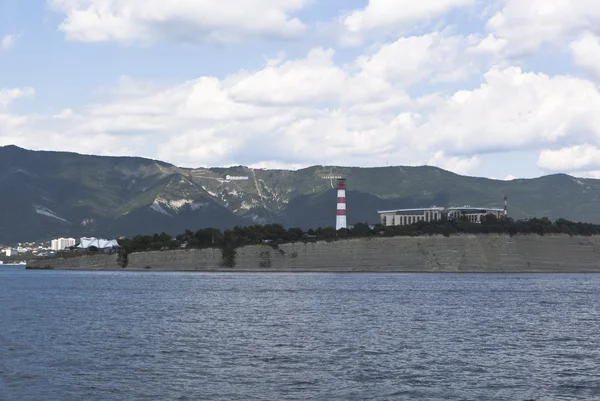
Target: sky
column 492, row 88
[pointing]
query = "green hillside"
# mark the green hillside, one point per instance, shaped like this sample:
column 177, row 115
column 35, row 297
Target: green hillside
column 48, row 194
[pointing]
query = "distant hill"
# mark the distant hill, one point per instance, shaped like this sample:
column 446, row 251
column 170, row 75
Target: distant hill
column 48, row 194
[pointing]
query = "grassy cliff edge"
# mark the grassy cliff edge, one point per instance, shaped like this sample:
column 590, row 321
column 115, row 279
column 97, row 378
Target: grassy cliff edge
column 465, row 253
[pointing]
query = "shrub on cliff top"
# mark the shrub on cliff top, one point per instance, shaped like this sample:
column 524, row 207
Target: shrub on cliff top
column 276, row 234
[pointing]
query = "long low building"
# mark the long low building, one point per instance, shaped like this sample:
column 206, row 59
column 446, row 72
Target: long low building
column 403, row 217
column 473, row 214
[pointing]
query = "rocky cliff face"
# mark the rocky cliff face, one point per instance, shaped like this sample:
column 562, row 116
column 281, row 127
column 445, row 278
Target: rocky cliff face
column 464, row 253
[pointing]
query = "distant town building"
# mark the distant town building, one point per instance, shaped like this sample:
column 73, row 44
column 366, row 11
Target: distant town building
column 99, row 244
column 403, row 217
column 62, row 243
column 473, row 214
column 11, row 252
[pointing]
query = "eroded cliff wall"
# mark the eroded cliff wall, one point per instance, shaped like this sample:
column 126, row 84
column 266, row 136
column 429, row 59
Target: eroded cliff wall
column 462, row 253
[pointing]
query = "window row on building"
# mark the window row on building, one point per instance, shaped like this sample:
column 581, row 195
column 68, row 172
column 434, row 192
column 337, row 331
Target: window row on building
column 402, row 217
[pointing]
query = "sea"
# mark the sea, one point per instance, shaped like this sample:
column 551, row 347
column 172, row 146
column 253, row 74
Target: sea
column 279, row 336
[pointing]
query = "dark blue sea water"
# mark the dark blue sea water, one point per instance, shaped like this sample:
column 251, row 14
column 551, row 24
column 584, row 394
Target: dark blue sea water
column 142, row 336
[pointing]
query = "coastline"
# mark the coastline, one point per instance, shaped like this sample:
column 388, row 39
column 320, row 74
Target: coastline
column 481, row 253
column 326, row 271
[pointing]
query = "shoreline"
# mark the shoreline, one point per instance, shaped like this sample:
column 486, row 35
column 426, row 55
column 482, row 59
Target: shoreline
column 305, row 271
column 483, row 253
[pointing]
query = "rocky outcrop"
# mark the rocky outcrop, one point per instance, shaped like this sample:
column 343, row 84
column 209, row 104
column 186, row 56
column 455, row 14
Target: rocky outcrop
column 461, row 253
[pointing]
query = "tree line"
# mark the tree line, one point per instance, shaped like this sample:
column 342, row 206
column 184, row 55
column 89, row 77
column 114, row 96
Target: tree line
column 275, row 234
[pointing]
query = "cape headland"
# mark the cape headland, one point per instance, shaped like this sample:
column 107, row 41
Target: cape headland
column 466, row 253
column 61, row 194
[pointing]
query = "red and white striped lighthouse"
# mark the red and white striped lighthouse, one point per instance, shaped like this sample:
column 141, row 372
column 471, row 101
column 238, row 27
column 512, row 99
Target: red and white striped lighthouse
column 340, row 220
column 505, row 206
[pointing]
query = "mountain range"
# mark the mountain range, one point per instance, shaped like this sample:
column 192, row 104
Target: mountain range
column 50, row 194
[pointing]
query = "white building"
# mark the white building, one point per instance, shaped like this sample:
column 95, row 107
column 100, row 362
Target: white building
column 62, row 243
column 403, row 217
column 473, row 214
column 100, row 244
column 11, row 252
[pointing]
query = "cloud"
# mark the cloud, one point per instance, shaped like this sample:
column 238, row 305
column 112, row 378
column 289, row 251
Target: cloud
column 434, row 57
column 527, row 25
column 393, row 16
column 7, row 96
column 200, row 123
column 574, row 158
column 312, row 79
column 489, row 45
column 459, row 165
column 275, row 165
column 515, row 110
column 586, row 52
column 508, row 177
column 594, row 174
column 376, row 80
column 8, row 42
column 399, row 102
column 207, row 21
column 274, row 116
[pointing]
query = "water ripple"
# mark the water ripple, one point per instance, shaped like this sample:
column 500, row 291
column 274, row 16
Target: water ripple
column 101, row 336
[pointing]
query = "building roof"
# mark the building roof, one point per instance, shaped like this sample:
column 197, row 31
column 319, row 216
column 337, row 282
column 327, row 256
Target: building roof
column 422, row 209
column 471, row 208
column 98, row 243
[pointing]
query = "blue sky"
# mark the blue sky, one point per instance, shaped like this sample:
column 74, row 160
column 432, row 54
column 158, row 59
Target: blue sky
column 496, row 88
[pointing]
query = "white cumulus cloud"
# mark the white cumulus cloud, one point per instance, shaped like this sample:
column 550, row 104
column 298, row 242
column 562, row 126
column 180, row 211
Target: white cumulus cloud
column 515, row 110
column 374, row 80
column 526, row 25
column 9, row 95
column 148, row 21
column 8, row 42
column 315, row 78
column 574, row 158
column 586, row 52
column 266, row 117
column 459, row 165
column 433, row 57
column 418, row 93
column 394, row 15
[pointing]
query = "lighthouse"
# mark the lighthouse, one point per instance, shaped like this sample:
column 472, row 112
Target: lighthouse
column 340, row 220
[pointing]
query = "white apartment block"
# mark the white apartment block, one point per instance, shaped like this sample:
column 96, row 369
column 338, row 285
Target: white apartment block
column 62, row 243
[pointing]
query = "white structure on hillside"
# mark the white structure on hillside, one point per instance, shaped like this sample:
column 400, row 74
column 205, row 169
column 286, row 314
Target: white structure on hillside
column 403, row 217
column 11, row 252
column 100, row 244
column 62, row 243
